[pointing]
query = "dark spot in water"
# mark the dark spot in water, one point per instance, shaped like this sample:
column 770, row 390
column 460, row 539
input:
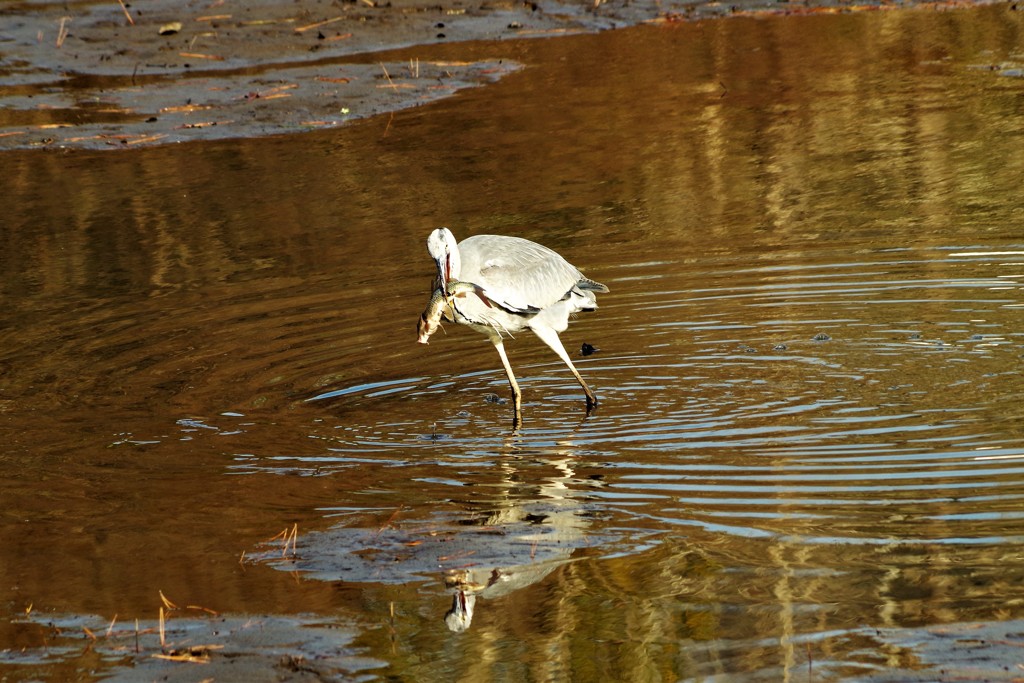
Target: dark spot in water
column 820, row 337
column 434, row 436
column 587, row 349
column 780, row 347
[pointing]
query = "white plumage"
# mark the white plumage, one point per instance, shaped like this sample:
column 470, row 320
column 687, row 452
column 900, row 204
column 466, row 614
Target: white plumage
column 524, row 285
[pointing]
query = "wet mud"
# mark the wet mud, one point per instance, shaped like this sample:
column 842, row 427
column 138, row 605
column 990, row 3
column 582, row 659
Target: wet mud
column 975, row 651
column 187, row 645
column 101, row 75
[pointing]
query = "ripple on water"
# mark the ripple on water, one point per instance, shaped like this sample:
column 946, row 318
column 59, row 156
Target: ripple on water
column 839, row 421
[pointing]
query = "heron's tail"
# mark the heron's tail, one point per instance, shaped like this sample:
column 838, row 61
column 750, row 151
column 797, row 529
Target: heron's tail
column 591, row 285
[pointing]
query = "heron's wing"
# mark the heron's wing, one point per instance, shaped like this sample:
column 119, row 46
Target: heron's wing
column 517, row 274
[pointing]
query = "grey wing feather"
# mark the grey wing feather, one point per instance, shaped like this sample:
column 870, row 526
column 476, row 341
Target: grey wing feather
column 520, row 275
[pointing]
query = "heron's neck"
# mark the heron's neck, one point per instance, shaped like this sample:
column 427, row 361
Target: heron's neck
column 454, row 262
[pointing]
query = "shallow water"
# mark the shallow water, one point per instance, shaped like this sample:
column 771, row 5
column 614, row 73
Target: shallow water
column 809, row 367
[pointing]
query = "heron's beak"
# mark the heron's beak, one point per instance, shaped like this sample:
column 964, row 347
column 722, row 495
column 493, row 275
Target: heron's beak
column 444, row 269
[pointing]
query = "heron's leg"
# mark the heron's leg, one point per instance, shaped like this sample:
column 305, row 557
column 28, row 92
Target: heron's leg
column 550, row 337
column 517, row 398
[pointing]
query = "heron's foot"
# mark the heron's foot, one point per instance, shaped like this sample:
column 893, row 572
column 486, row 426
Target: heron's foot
column 517, row 411
column 591, row 403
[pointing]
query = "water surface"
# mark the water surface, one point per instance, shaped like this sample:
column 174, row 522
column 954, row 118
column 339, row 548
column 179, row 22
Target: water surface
column 809, row 365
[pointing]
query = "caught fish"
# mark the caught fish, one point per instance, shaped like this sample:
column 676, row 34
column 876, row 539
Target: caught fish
column 430, row 320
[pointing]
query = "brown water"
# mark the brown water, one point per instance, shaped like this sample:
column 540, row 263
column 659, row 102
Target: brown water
column 810, row 363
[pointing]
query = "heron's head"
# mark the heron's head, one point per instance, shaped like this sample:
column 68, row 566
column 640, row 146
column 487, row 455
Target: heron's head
column 443, row 248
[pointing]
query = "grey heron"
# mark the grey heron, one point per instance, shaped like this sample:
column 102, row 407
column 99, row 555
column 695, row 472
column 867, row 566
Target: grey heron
column 519, row 285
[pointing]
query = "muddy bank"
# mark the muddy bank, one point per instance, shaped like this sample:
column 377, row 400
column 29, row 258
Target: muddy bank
column 186, row 644
column 96, row 75
column 102, row 75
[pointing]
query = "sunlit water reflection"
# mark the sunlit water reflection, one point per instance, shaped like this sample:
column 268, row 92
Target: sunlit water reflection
column 809, row 363
column 863, row 414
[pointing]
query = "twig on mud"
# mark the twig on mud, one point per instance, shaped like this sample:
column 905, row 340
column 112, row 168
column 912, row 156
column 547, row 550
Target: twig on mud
column 388, row 76
column 145, row 139
column 303, row 29
column 167, row 603
column 110, row 629
column 200, row 608
column 456, row 556
column 62, row 32
column 390, row 519
column 279, row 534
column 163, row 641
column 288, row 537
column 392, row 631
column 293, row 538
column 185, row 108
column 271, row 94
column 199, row 55
column 125, row 10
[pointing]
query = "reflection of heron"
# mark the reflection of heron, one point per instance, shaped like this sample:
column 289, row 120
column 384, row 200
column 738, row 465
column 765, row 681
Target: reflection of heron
column 525, row 285
column 540, row 532
column 491, row 583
